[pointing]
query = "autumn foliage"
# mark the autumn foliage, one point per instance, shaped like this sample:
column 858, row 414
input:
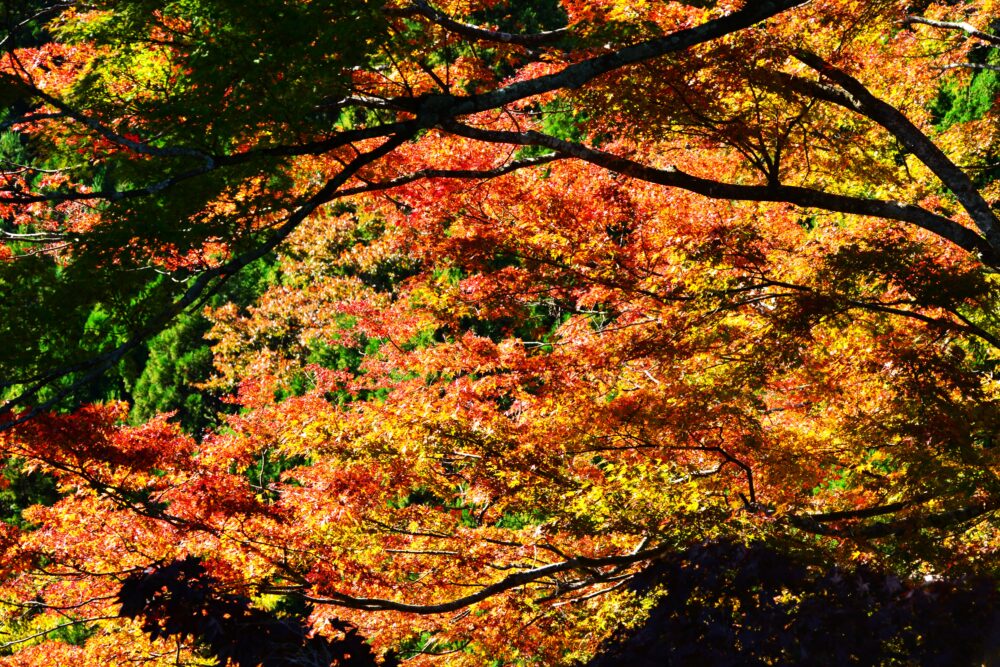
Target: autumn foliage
column 498, row 332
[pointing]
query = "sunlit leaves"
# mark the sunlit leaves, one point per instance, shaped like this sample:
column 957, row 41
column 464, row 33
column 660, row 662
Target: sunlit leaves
column 472, row 400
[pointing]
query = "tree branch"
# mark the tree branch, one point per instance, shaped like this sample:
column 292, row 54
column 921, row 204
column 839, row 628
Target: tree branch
column 434, row 109
column 672, row 177
column 213, row 162
column 982, row 66
column 205, row 285
column 946, row 519
column 967, row 28
column 868, row 512
column 462, row 174
column 67, row 624
column 435, row 16
column 859, row 99
column 508, row 583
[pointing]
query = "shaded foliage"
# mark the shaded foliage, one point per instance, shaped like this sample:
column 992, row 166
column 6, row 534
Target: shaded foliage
column 729, row 604
column 20, row 487
column 179, row 359
column 182, row 599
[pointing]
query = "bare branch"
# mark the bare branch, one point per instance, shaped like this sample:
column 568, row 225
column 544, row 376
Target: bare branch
column 981, row 66
column 422, row 8
column 11, row 30
column 967, row 28
column 43, row 633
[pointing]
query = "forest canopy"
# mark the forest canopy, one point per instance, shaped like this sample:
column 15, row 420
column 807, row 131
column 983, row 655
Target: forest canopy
column 499, row 332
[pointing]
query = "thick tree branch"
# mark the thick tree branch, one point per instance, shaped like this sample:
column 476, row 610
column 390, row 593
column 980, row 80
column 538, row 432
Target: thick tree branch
column 947, row 519
column 672, row 177
column 859, row 99
column 508, row 583
column 868, row 512
column 435, row 109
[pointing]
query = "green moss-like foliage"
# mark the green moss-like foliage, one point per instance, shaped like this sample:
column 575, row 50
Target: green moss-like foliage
column 179, row 359
column 957, row 103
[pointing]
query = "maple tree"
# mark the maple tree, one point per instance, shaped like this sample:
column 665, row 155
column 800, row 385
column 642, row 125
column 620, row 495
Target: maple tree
column 540, row 294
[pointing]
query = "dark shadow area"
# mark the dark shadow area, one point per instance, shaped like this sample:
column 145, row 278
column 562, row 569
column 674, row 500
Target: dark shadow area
column 733, row 605
column 181, row 599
